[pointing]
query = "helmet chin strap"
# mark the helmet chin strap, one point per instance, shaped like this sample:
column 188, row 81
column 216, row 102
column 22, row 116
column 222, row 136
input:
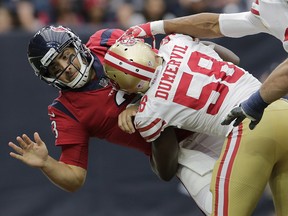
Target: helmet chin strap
column 83, row 74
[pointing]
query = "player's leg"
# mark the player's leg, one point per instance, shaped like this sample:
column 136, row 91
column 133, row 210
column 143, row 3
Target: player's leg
column 279, row 177
column 279, row 187
column 242, row 171
column 195, row 172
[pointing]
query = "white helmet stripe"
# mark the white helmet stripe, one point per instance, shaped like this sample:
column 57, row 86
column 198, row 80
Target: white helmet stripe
column 49, row 56
column 132, row 68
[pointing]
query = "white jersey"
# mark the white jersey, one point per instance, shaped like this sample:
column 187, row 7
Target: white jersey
column 265, row 16
column 193, row 90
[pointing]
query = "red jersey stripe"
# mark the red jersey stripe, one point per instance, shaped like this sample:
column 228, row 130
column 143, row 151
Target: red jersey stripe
column 151, row 125
column 152, row 136
column 255, row 12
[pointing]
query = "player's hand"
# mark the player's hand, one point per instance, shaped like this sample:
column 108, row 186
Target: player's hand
column 145, row 30
column 142, row 31
column 253, row 108
column 125, row 119
column 34, row 154
column 238, row 114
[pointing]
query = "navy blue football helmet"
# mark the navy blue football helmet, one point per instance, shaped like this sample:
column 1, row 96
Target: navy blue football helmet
column 50, row 41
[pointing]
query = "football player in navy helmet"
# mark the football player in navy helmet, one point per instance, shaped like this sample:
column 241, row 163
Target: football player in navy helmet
column 86, row 106
column 58, row 57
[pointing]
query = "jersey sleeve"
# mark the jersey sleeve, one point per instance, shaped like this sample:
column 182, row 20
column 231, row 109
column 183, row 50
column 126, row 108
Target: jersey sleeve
column 102, row 40
column 148, row 122
column 76, row 155
column 150, row 129
column 154, row 117
column 241, row 24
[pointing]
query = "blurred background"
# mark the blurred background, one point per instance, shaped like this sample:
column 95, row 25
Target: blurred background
column 120, row 181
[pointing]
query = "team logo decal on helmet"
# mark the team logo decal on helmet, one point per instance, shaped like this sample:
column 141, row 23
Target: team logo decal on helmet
column 58, row 29
column 128, row 41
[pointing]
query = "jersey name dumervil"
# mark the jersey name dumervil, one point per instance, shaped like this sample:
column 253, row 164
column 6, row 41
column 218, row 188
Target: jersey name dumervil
column 194, row 89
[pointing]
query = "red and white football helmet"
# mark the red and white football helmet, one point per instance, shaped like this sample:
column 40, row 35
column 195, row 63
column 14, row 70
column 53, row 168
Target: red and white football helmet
column 130, row 65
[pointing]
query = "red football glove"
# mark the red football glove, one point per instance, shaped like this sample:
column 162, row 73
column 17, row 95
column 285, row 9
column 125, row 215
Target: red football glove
column 143, row 30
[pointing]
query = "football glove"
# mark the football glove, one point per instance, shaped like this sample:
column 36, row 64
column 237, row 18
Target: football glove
column 145, row 30
column 253, row 108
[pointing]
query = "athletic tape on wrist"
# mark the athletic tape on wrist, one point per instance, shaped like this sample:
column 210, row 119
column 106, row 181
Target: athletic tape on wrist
column 157, row 27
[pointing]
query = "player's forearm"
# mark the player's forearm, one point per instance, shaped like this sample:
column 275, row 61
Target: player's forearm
column 202, row 25
column 67, row 177
column 276, row 85
column 164, row 170
column 164, row 160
